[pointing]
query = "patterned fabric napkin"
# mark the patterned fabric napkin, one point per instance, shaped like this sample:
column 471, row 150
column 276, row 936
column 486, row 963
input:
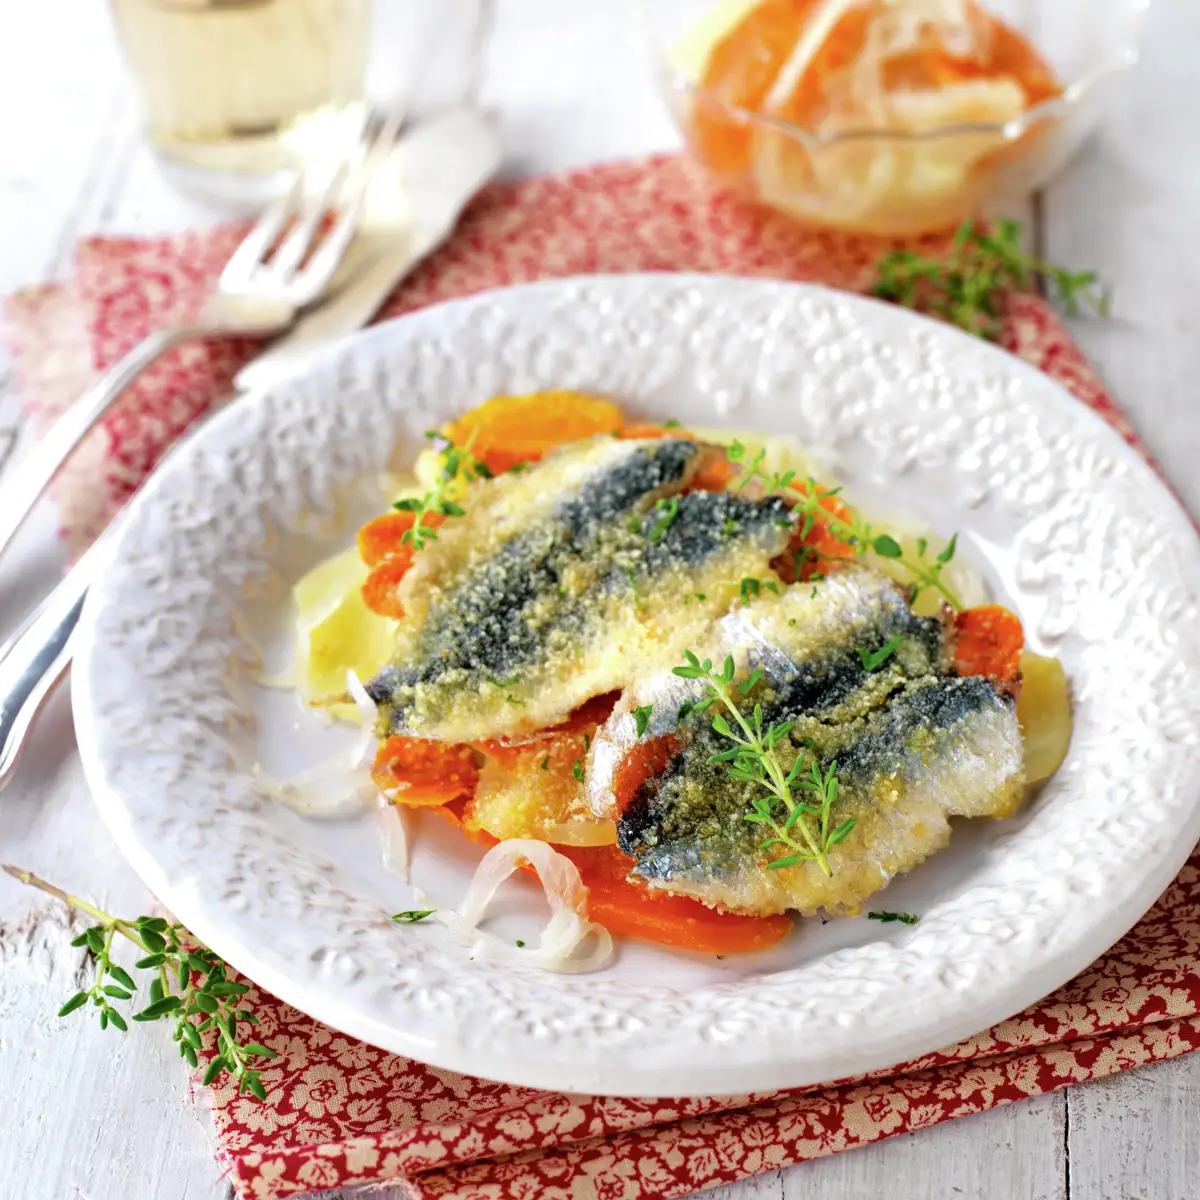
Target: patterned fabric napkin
column 339, row 1112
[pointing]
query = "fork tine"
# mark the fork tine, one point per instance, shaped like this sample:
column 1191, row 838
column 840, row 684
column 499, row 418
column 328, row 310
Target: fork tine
column 329, row 253
column 297, row 244
column 255, row 245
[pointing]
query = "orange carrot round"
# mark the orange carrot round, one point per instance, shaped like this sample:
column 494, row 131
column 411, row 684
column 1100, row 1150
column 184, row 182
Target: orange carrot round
column 630, row 909
column 424, row 773
column 383, row 538
column 819, row 550
column 379, row 592
column 649, row 429
column 508, row 430
column 989, row 642
column 644, row 760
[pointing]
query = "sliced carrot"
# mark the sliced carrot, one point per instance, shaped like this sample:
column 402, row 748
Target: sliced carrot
column 714, row 474
column 508, row 430
column 631, row 909
column 648, row 429
column 424, row 773
column 817, row 550
column 645, row 760
column 382, row 538
column 380, row 591
column 989, row 642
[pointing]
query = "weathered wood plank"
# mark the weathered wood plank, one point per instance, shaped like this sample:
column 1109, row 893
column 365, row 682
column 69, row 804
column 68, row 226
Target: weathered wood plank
column 1137, row 1134
column 1021, row 1144
column 110, row 1118
column 1127, row 208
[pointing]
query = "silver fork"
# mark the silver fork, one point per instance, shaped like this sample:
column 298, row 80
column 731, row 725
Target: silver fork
column 265, row 285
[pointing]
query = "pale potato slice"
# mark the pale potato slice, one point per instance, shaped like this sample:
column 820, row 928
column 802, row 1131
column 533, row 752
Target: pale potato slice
column 1044, row 711
column 336, row 632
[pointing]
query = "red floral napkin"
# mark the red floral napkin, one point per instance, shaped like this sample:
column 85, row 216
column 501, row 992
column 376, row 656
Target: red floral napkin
column 339, row 1112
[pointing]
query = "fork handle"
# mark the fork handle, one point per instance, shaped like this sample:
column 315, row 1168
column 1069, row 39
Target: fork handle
column 24, row 483
column 36, row 657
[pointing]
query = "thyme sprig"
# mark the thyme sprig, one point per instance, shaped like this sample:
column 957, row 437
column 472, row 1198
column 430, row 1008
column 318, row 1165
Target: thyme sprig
column 853, row 531
column 858, row 534
column 188, row 986
column 888, row 917
column 796, row 807
column 968, row 285
column 456, row 463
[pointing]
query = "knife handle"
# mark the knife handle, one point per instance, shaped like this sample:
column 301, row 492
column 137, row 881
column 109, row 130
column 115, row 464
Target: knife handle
column 36, row 657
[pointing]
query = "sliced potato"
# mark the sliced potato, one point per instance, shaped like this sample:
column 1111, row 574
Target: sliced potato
column 336, row 632
column 1044, row 711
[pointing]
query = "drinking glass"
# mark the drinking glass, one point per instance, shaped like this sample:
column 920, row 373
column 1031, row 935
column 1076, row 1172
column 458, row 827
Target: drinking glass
column 885, row 180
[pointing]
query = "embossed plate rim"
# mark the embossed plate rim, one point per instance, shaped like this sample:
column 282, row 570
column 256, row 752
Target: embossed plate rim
column 580, row 1034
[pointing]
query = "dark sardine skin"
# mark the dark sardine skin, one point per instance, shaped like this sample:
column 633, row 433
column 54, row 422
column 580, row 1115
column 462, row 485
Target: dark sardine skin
column 913, row 744
column 557, row 585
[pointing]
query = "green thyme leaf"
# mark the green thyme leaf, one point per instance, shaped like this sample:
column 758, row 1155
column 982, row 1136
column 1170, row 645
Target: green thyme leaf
column 413, row 915
column 667, row 510
column 641, row 718
column 872, row 660
column 76, row 1001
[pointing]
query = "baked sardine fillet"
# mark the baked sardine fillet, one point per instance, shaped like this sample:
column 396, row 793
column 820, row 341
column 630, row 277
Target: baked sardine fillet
column 566, row 581
column 914, row 744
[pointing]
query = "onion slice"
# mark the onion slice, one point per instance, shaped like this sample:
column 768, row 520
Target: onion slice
column 340, row 784
column 567, row 929
column 393, row 836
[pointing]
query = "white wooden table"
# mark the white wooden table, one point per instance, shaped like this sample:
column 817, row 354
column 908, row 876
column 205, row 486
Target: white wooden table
column 104, row 1118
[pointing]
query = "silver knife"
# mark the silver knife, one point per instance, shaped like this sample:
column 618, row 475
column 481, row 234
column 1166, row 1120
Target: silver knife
column 438, row 167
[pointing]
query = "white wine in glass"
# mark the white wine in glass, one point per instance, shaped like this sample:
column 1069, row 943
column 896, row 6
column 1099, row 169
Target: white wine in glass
column 236, row 92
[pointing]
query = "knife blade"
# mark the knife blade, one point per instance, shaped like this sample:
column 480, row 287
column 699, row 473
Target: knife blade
column 412, row 205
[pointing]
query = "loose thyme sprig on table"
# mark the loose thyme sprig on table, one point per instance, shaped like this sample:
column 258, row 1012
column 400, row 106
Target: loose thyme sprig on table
column 797, row 806
column 967, row 286
column 852, row 531
column 456, row 462
column 188, row 986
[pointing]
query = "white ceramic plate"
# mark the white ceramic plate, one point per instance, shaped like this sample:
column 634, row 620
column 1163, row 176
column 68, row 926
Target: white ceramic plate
column 1072, row 529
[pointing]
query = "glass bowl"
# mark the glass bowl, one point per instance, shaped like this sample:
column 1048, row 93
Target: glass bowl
column 884, row 180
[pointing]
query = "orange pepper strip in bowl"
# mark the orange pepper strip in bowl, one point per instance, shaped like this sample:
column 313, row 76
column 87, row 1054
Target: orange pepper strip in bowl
column 989, row 642
column 424, row 773
column 508, row 430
